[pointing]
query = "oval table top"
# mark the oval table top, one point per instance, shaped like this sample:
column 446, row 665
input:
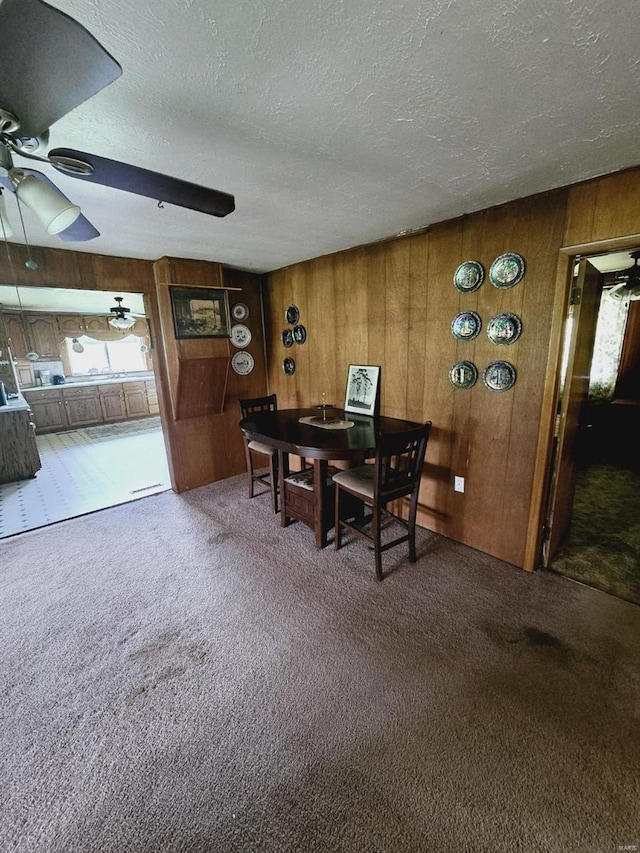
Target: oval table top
column 283, row 430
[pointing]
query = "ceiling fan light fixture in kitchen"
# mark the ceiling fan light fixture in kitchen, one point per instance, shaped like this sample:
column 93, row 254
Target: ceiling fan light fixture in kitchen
column 120, row 319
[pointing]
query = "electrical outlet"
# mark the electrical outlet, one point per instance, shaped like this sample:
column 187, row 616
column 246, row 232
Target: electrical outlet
column 458, row 484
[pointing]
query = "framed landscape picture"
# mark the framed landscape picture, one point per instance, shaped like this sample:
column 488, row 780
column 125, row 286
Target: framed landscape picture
column 200, row 312
column 363, row 381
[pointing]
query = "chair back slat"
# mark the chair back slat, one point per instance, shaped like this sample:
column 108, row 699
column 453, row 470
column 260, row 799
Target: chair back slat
column 399, row 460
column 251, row 406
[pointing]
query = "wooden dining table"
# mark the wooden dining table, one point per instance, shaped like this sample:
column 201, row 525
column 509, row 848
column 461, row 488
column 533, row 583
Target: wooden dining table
column 285, row 431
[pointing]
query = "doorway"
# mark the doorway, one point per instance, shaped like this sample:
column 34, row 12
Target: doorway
column 596, row 475
column 100, row 436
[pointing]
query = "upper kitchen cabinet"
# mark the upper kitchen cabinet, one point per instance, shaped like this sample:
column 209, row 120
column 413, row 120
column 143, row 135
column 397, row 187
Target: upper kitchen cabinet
column 16, row 334
column 32, row 333
column 71, row 325
column 43, row 335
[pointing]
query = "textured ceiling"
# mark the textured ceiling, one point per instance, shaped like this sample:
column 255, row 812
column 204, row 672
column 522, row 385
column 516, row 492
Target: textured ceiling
column 341, row 122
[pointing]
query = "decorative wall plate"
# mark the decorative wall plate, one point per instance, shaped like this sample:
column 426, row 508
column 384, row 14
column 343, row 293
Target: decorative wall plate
column 504, row 329
column 499, row 376
column 466, row 326
column 242, row 363
column 292, row 314
column 289, row 366
column 463, row 374
column 299, row 334
column 240, row 312
column 240, row 336
column 506, row 270
column 469, row 276
column 287, row 337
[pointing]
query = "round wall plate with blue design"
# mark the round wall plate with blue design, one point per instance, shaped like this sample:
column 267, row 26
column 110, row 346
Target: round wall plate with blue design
column 469, row 276
column 466, row 326
column 463, row 374
column 499, row 376
column 289, row 366
column 507, row 270
column 504, row 329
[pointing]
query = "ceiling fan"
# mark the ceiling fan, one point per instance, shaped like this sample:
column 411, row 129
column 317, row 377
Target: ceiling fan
column 49, row 65
column 627, row 282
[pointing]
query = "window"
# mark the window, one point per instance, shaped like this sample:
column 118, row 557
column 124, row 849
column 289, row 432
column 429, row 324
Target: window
column 122, row 356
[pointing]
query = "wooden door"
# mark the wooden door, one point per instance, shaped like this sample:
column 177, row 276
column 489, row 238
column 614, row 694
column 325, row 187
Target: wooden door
column 49, row 414
column 574, row 394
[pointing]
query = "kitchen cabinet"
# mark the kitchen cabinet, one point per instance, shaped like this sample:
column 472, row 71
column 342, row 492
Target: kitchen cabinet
column 66, row 407
column 96, row 323
column 71, row 325
column 43, row 336
column 82, row 405
column 135, row 399
column 47, row 407
column 19, row 457
column 16, row 334
column 152, row 398
column 112, row 402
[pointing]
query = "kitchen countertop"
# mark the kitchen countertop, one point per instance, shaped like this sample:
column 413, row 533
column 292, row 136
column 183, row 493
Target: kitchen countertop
column 79, row 383
column 15, row 405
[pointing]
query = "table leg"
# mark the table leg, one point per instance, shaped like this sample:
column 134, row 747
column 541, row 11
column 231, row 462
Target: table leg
column 319, row 487
column 283, row 471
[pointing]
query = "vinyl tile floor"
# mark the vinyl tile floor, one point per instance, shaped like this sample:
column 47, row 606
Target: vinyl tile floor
column 86, row 470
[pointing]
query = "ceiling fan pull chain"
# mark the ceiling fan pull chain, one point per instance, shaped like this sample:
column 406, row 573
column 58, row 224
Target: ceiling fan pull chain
column 30, row 264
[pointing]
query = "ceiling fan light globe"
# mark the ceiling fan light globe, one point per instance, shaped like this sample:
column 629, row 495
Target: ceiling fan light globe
column 54, row 211
column 122, row 322
column 6, row 230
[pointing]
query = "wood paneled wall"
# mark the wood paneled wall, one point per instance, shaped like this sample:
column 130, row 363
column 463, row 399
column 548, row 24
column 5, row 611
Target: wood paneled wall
column 207, row 448
column 200, row 450
column 392, row 304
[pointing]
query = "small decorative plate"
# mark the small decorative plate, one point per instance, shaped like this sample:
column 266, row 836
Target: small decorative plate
column 240, row 312
column 287, row 337
column 242, row 363
column 466, row 326
column 463, row 374
column 299, row 334
column 289, row 366
column 292, row 314
column 240, row 336
column 504, row 329
column 499, row 376
column 507, row 270
column 469, row 276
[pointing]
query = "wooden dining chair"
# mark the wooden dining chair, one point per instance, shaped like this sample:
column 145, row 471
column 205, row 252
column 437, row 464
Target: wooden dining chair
column 268, row 476
column 395, row 474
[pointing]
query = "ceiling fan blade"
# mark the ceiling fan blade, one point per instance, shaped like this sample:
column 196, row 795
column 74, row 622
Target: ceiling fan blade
column 79, row 231
column 133, row 179
column 50, row 63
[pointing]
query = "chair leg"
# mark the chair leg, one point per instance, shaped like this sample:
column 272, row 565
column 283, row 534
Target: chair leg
column 413, row 511
column 376, row 542
column 249, row 469
column 337, row 530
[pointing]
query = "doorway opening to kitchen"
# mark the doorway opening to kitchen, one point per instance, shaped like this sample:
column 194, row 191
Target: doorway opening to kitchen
column 90, row 387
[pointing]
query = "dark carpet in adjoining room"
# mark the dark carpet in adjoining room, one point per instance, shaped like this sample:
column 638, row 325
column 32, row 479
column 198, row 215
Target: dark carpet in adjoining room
column 182, row 675
column 602, row 547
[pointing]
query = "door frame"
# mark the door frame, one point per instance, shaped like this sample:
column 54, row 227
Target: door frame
column 544, row 450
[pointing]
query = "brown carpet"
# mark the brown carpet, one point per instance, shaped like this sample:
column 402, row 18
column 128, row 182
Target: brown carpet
column 181, row 675
column 602, row 547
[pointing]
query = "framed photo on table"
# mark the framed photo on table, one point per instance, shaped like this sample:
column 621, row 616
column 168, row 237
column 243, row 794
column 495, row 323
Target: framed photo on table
column 363, row 387
column 200, row 312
